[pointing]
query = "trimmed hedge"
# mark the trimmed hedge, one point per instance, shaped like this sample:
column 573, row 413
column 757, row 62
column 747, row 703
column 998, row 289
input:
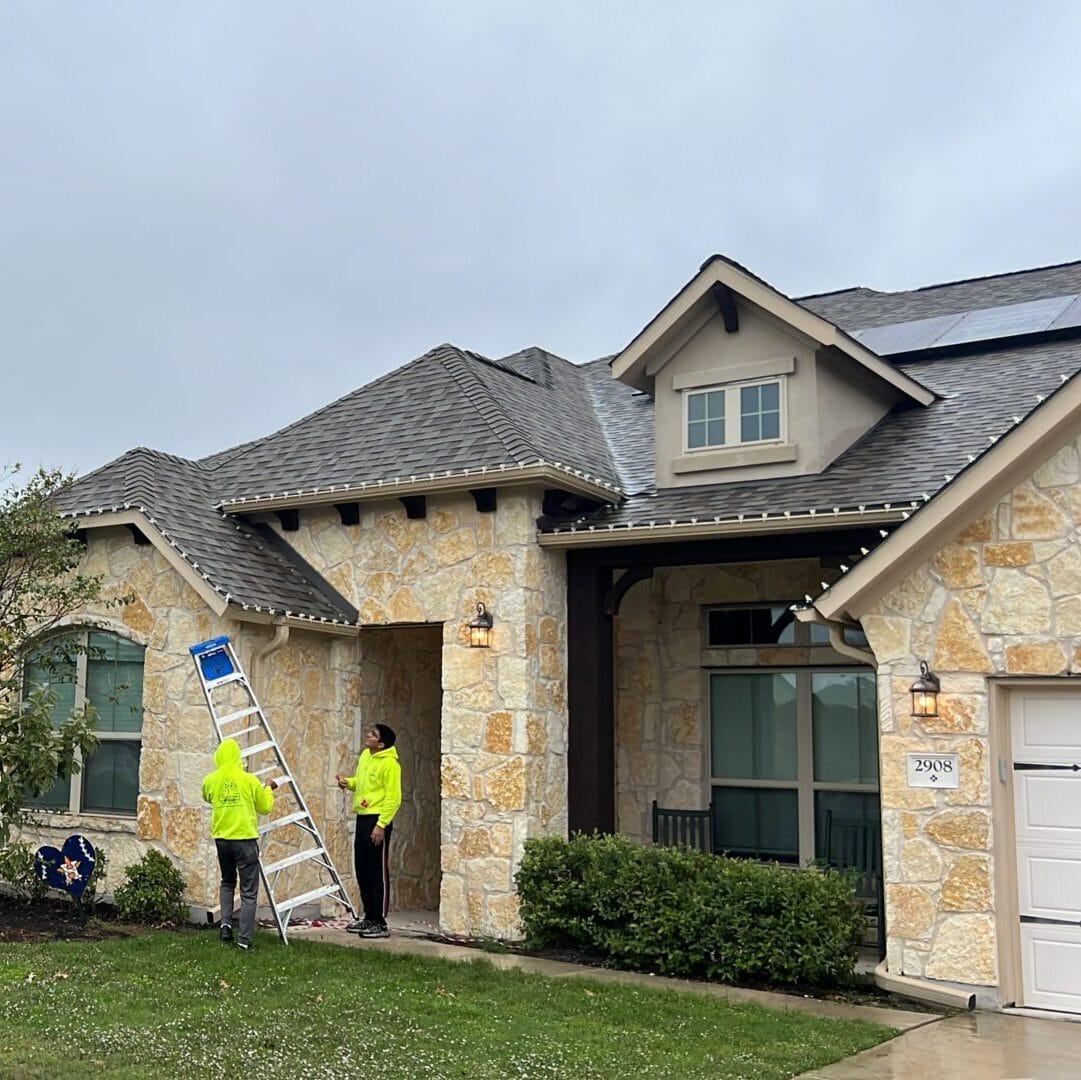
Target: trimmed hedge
column 684, row 912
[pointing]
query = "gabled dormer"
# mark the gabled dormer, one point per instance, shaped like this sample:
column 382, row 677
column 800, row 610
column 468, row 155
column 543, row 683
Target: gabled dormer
column 748, row 384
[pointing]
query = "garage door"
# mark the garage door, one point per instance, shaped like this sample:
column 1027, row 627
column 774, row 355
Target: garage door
column 1047, row 810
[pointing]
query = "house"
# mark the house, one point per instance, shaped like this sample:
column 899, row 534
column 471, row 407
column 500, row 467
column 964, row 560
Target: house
column 715, row 562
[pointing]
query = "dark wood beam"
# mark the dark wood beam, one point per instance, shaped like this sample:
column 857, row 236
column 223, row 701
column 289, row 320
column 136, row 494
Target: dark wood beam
column 138, row 535
column 485, row 500
column 726, row 302
column 816, row 544
column 290, row 519
column 415, row 506
column 614, row 597
column 591, row 770
column 348, row 512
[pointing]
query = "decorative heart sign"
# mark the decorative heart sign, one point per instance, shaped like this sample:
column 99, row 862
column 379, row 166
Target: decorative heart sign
column 68, row 868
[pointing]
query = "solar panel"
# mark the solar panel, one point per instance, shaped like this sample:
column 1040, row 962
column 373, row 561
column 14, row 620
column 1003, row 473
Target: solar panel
column 986, row 324
column 1008, row 321
column 906, row 336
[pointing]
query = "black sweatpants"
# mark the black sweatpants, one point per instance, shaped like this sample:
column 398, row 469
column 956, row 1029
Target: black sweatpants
column 370, row 863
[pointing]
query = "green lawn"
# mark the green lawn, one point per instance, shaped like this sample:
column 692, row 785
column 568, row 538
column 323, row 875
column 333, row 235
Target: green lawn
column 166, row 1004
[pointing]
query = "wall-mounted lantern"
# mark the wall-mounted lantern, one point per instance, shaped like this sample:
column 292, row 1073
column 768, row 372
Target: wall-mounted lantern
column 480, row 629
column 925, row 693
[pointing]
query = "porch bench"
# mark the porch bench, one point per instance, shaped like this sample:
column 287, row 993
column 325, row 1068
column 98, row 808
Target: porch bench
column 683, row 828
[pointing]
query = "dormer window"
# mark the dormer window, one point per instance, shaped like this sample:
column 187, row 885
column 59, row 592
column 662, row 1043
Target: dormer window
column 734, row 415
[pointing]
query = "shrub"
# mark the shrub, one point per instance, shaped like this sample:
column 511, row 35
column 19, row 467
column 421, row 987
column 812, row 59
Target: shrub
column 153, row 891
column 18, row 870
column 685, row 912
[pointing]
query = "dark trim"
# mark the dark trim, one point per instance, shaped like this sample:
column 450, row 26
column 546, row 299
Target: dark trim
column 80, row 536
column 348, row 512
column 726, row 303
column 289, row 518
column 591, row 771
column 629, row 578
column 137, row 534
column 484, row 499
column 415, row 506
column 262, row 531
column 818, row 544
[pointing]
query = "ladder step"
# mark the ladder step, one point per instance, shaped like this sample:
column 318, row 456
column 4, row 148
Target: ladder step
column 288, row 819
column 292, row 860
column 250, row 751
column 236, row 676
column 238, row 716
column 244, row 731
column 296, row 901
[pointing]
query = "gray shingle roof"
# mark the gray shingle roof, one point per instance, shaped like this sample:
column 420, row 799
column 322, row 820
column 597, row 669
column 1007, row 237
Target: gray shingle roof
column 858, row 309
column 178, row 496
column 454, row 410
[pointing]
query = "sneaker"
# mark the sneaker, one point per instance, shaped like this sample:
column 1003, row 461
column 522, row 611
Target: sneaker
column 244, row 946
column 359, row 926
column 375, row 930
column 226, row 934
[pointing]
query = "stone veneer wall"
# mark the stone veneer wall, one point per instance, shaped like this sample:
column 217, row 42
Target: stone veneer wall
column 662, row 695
column 1004, row 598
column 400, row 686
column 504, row 715
column 305, row 689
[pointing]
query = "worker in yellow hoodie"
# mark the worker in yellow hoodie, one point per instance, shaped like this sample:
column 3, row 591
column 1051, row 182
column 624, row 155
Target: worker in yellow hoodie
column 237, row 798
column 377, row 794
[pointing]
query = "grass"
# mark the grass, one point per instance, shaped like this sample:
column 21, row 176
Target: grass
column 167, row 1004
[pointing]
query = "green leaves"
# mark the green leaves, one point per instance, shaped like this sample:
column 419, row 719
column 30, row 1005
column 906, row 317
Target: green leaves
column 153, row 892
column 682, row 912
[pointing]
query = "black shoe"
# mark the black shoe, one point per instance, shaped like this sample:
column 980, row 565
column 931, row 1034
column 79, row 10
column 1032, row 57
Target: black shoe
column 226, row 934
column 244, row 946
column 374, row 930
column 358, row 926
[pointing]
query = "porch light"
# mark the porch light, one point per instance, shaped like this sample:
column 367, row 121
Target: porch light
column 480, row 629
column 925, row 693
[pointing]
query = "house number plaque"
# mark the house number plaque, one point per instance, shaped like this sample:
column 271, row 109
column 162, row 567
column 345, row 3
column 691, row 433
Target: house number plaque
column 934, row 770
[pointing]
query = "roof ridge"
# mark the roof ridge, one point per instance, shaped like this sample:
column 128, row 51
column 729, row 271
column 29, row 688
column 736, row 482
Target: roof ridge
column 940, row 284
column 489, row 409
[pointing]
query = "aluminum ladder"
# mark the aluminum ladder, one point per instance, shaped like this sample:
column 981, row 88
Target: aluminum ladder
column 219, row 670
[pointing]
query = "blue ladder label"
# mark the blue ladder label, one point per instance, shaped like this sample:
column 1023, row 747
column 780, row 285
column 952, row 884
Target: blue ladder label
column 213, row 659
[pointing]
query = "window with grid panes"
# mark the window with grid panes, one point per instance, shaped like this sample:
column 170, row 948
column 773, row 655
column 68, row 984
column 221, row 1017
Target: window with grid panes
column 734, row 415
column 105, row 671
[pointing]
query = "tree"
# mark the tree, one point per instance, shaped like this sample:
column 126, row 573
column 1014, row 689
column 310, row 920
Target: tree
column 40, row 584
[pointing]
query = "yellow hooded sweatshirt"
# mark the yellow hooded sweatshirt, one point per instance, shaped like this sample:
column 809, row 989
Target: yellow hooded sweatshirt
column 377, row 785
column 236, row 796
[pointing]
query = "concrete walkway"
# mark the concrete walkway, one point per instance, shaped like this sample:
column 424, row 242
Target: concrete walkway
column 970, row 1046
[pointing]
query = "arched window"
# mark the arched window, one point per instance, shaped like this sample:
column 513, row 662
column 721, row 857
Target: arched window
column 105, row 671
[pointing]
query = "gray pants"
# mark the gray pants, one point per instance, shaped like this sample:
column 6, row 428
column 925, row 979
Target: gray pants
column 239, row 858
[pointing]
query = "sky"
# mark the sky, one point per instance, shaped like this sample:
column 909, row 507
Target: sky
column 216, row 218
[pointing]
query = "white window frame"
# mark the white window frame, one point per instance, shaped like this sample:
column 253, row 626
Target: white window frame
column 75, row 786
column 733, row 416
column 804, row 783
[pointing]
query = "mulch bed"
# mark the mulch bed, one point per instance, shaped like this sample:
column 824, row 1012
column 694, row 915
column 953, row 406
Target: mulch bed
column 56, row 920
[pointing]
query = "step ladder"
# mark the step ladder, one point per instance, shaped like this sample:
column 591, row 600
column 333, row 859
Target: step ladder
column 220, row 673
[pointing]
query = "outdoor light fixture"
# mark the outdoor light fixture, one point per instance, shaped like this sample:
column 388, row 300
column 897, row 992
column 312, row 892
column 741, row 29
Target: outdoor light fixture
column 480, row 629
column 925, row 693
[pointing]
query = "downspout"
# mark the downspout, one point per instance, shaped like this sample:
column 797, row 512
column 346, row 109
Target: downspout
column 903, row 985
column 281, row 636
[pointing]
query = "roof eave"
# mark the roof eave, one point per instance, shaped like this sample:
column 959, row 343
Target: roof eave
column 553, row 474
column 630, row 364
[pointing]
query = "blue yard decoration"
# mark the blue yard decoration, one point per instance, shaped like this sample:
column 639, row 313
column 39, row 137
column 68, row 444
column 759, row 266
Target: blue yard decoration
column 213, row 658
column 68, row 868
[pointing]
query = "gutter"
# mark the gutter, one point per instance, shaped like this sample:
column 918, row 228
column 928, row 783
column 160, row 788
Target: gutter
column 923, row 990
column 281, row 636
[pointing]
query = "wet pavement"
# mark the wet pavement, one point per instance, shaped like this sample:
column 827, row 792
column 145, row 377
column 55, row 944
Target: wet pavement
column 969, row 1046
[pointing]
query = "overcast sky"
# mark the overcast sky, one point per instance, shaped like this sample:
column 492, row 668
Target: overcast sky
column 217, row 217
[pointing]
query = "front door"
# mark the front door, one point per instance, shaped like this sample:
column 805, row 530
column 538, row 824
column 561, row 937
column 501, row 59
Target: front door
column 1046, row 731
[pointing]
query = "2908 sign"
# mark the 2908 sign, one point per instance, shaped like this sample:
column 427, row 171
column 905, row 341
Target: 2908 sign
column 934, row 770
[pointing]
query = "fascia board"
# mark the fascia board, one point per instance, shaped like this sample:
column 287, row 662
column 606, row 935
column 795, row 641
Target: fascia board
column 628, row 365
column 1013, row 457
column 217, row 604
column 542, row 473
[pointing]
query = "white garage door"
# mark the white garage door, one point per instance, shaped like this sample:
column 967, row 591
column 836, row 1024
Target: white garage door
column 1047, row 809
